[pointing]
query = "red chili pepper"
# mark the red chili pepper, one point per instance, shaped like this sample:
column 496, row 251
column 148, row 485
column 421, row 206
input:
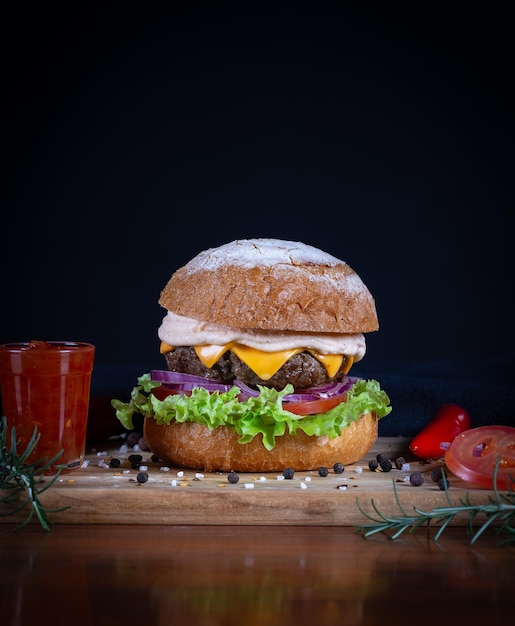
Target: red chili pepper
column 449, row 421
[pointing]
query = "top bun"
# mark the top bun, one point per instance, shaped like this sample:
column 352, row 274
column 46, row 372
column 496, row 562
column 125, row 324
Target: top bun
column 271, row 284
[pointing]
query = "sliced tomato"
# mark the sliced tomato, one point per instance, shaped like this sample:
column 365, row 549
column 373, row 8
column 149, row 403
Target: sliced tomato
column 473, row 455
column 162, row 392
column 312, row 407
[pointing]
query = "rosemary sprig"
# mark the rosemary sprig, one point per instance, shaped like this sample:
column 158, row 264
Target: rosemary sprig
column 24, row 482
column 500, row 508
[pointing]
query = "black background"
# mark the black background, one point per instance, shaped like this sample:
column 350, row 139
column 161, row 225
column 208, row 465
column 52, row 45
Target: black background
column 134, row 139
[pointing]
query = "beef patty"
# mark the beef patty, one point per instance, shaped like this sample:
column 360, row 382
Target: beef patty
column 301, row 370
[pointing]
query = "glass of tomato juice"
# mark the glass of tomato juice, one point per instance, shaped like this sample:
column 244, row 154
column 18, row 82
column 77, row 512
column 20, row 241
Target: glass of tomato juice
column 47, row 384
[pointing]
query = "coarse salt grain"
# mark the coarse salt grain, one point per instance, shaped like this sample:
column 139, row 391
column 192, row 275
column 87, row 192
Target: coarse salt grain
column 164, row 469
column 102, row 453
column 173, row 482
column 199, row 475
column 262, row 478
column 102, row 463
column 280, row 477
column 180, row 473
column 85, row 463
column 405, row 467
column 249, row 485
column 308, row 479
column 303, row 485
column 342, row 487
column 358, row 469
column 126, row 471
column 124, row 448
column 136, row 447
column 143, row 468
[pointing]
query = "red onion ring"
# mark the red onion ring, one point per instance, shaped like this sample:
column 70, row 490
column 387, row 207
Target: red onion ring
column 181, row 382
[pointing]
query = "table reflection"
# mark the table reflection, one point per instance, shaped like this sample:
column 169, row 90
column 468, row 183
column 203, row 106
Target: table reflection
column 246, row 575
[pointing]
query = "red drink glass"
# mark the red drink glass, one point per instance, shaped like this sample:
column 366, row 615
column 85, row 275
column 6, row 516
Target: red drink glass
column 47, row 384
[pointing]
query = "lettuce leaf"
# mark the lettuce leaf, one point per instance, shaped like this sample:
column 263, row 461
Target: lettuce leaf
column 263, row 414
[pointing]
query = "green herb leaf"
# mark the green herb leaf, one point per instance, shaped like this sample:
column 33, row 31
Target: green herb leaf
column 501, row 509
column 22, row 483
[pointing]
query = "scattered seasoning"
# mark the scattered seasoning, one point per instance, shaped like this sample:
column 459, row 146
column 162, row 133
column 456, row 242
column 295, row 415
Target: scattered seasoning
column 135, row 460
column 323, row 471
column 373, row 465
column 142, row 444
column 443, row 484
column 437, row 473
column 416, row 479
column 233, row 477
column 288, row 473
column 399, row 462
column 338, row 468
column 142, row 477
column 133, row 438
column 386, row 465
column 114, row 463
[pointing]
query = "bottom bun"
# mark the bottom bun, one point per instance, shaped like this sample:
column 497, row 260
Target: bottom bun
column 194, row 446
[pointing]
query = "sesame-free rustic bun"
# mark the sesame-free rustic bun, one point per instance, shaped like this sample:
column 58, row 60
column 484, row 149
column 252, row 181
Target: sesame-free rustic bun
column 195, row 446
column 271, row 284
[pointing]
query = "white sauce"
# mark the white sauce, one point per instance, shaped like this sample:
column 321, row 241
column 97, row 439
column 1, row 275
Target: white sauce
column 177, row 330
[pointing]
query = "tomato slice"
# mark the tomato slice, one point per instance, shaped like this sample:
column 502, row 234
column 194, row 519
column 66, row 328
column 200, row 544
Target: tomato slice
column 311, row 407
column 473, row 454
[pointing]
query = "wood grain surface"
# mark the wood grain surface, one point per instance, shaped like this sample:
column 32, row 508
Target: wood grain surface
column 99, row 494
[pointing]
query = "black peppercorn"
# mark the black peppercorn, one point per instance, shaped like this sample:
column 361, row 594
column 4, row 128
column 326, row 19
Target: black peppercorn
column 154, row 458
column 132, row 438
column 373, row 465
column 416, row 479
column 233, row 477
column 437, row 473
column 114, row 463
column 323, row 471
column 142, row 477
column 386, row 465
column 338, row 468
column 381, row 457
column 443, row 484
column 288, row 473
column 399, row 462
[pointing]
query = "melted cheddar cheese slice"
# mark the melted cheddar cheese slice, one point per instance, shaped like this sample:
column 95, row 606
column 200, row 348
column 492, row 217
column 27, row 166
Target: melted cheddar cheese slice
column 264, row 364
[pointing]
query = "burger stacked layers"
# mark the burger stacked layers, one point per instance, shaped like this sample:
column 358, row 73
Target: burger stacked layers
column 258, row 339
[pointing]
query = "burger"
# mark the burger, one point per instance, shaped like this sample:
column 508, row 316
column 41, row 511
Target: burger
column 259, row 338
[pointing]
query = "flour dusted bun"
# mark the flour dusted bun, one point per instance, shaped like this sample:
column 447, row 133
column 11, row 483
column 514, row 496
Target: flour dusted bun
column 194, row 446
column 271, row 284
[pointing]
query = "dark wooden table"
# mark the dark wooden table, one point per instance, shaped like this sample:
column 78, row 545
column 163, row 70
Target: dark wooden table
column 209, row 575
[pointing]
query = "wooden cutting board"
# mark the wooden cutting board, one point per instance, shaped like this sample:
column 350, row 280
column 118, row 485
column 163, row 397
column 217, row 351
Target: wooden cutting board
column 99, row 494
